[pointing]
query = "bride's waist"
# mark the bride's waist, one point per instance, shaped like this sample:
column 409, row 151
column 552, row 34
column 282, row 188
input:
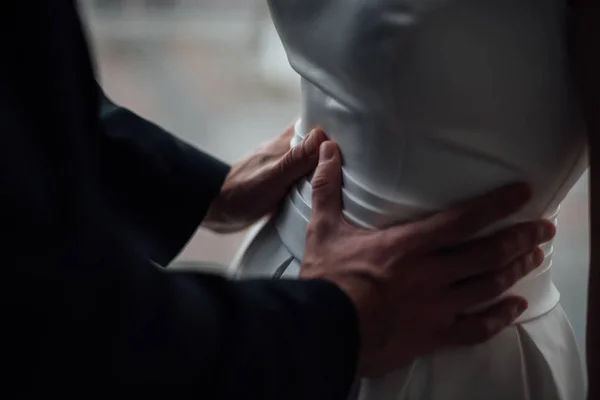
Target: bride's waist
column 361, row 206
column 369, row 211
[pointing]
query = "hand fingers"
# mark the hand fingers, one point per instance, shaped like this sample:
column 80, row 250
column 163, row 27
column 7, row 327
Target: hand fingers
column 492, row 253
column 281, row 144
column 461, row 222
column 476, row 291
column 480, row 327
column 327, row 185
column 288, row 133
column 299, row 161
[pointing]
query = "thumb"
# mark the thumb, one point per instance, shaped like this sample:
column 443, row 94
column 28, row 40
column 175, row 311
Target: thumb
column 327, row 183
column 301, row 159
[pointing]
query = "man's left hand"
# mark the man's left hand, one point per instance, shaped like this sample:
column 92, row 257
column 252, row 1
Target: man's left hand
column 255, row 186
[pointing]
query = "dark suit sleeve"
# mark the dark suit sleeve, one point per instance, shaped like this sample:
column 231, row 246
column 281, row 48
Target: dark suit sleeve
column 262, row 339
column 83, row 310
column 258, row 339
column 217, row 339
column 161, row 185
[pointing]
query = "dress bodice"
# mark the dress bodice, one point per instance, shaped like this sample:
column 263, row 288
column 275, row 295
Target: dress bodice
column 436, row 101
column 433, row 102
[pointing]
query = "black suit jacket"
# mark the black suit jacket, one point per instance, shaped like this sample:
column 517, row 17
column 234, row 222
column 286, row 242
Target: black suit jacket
column 87, row 199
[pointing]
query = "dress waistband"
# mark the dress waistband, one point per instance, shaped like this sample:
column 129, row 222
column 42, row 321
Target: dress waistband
column 371, row 211
column 362, row 206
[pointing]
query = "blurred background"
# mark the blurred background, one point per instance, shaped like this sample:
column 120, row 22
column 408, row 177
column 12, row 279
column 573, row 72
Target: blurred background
column 213, row 72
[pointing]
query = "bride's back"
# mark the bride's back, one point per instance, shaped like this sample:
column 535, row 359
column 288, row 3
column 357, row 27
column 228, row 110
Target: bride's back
column 434, row 101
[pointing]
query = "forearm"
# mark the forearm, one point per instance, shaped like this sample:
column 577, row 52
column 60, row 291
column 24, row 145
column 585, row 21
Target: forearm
column 161, row 185
column 305, row 333
column 213, row 337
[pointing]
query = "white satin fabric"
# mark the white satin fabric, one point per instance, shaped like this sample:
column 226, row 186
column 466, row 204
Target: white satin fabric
column 537, row 359
column 434, row 102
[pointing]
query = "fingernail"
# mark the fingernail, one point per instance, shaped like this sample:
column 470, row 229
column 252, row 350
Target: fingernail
column 327, row 151
column 524, row 305
column 521, row 307
column 546, row 231
column 312, row 142
column 538, row 257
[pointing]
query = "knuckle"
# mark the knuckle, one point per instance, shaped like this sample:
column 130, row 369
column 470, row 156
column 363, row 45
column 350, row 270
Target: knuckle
column 317, row 229
column 481, row 296
column 320, row 182
column 518, row 242
column 521, row 265
column 311, row 229
column 511, row 244
column 263, row 156
column 312, row 234
column 463, row 220
column 529, row 262
column 297, row 154
column 409, row 239
column 522, row 238
column 485, row 330
column 524, row 265
column 373, row 249
column 500, row 283
column 386, row 242
column 527, row 237
column 294, row 158
column 286, row 163
column 537, row 257
column 300, row 153
column 481, row 333
column 504, row 249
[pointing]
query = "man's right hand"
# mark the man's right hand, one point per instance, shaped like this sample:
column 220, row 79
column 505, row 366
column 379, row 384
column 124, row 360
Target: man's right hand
column 409, row 294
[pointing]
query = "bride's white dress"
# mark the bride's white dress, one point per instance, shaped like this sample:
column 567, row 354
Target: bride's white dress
column 434, row 102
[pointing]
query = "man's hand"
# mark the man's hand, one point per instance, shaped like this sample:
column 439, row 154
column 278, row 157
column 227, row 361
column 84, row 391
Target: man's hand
column 409, row 290
column 255, row 186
